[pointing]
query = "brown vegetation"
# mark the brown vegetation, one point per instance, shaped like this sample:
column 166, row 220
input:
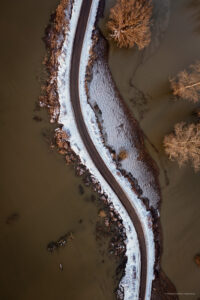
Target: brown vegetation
column 102, row 214
column 184, row 144
column 54, row 38
column 122, row 155
column 187, row 83
column 129, row 23
column 196, row 112
column 197, row 259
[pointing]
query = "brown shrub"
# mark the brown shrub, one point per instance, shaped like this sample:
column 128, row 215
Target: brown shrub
column 184, row 144
column 187, row 84
column 122, row 155
column 129, row 23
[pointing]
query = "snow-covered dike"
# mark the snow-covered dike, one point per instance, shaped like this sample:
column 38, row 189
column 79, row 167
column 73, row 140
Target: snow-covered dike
column 131, row 281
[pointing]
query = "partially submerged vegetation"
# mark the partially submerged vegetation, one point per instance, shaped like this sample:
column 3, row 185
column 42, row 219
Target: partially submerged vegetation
column 186, row 84
column 61, row 242
column 183, row 144
column 129, row 23
column 197, row 259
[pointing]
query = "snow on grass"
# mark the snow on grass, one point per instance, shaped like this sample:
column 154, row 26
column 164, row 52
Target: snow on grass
column 131, row 280
column 124, row 137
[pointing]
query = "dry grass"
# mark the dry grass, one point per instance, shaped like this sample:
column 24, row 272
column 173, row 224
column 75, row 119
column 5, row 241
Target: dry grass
column 129, row 23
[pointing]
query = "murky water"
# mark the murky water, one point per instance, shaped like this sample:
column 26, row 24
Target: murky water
column 40, row 198
column 143, row 81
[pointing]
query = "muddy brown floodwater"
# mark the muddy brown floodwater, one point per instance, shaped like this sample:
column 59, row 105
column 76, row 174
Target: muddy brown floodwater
column 41, row 198
column 42, row 202
column 143, row 82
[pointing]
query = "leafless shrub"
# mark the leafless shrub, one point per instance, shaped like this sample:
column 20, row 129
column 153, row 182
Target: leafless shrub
column 129, row 23
column 187, row 84
column 184, row 144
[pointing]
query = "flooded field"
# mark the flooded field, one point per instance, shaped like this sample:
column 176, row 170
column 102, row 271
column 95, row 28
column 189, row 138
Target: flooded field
column 41, row 198
column 142, row 79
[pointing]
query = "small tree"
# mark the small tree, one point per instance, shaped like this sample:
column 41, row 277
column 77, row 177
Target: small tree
column 184, row 144
column 129, row 23
column 187, row 84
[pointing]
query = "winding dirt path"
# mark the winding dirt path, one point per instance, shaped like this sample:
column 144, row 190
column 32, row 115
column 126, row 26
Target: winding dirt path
column 95, row 156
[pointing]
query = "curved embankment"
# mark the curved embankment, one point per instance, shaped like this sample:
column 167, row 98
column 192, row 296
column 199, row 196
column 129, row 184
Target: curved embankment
column 70, row 40
column 95, row 156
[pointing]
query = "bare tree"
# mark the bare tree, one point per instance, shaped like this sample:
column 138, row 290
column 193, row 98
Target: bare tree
column 187, row 84
column 184, row 144
column 129, row 23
